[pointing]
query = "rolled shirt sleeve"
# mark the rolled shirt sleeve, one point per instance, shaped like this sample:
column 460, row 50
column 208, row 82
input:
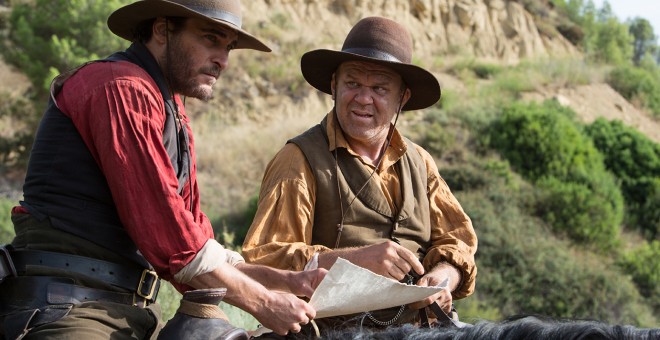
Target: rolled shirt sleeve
column 209, row 258
column 281, row 233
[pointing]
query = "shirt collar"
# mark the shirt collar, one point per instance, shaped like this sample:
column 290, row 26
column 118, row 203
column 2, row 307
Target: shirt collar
column 394, row 152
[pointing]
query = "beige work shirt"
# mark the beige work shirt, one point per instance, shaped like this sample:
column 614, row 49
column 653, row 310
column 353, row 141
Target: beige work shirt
column 281, row 232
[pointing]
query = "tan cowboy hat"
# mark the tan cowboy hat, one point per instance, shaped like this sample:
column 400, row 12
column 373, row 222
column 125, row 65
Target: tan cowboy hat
column 123, row 21
column 377, row 40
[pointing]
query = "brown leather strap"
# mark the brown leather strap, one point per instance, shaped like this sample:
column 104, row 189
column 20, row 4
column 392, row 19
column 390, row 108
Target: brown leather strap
column 443, row 320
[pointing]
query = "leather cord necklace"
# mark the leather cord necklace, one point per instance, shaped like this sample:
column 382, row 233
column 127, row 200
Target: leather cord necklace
column 340, row 226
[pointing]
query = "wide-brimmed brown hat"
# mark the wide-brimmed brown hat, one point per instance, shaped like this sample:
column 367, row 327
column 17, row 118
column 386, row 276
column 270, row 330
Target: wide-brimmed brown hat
column 376, row 40
column 123, row 21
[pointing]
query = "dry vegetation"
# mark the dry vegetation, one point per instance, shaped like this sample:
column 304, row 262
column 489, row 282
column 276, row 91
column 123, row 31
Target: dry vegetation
column 262, row 100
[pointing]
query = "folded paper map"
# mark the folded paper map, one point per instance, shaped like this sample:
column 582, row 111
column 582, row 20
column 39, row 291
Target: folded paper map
column 348, row 289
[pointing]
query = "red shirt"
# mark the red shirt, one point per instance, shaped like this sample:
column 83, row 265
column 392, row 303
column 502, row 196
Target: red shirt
column 119, row 112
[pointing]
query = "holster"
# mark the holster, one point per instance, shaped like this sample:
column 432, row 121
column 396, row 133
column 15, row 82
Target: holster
column 200, row 317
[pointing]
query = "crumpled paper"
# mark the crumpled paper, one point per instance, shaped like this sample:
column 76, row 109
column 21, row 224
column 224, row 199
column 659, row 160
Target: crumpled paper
column 348, row 289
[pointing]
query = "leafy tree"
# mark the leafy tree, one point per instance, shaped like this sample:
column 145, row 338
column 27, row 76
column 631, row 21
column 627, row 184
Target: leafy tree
column 645, row 39
column 605, row 38
column 612, row 42
column 47, row 37
column 43, row 38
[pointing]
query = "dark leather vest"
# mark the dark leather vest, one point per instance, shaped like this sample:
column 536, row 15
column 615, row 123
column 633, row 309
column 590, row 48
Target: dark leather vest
column 64, row 182
column 369, row 219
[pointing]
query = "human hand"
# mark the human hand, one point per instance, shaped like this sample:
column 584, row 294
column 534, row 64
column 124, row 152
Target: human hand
column 284, row 312
column 388, row 259
column 443, row 297
column 304, row 283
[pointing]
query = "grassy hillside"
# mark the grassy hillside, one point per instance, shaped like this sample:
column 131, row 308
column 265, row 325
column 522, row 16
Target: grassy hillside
column 527, row 264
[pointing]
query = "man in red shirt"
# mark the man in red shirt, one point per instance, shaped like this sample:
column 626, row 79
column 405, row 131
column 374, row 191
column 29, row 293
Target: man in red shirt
column 111, row 199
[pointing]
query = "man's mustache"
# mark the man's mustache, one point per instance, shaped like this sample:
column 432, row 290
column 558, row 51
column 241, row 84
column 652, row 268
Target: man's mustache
column 215, row 71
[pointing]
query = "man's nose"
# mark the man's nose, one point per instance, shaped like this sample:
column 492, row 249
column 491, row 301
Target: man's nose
column 364, row 95
column 221, row 58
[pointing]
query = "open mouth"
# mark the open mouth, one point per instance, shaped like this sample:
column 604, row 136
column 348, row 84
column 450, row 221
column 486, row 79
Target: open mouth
column 362, row 115
column 361, row 112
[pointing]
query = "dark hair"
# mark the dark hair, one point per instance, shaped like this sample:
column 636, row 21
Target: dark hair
column 519, row 327
column 143, row 31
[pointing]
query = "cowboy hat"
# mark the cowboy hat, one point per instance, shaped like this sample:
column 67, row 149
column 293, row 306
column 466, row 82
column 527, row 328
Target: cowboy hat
column 376, row 40
column 123, row 21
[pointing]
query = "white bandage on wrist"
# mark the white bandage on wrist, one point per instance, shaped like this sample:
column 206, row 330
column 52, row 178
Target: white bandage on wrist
column 210, row 257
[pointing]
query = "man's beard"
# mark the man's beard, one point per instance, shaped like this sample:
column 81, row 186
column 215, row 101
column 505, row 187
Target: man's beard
column 181, row 75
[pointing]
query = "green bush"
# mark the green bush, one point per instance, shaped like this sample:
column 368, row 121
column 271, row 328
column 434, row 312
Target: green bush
column 644, row 264
column 525, row 269
column 635, row 160
column 578, row 196
column 637, row 85
column 544, row 140
column 585, row 213
column 471, row 177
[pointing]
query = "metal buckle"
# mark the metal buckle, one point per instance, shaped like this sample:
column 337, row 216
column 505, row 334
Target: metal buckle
column 139, row 302
column 6, row 264
column 148, row 275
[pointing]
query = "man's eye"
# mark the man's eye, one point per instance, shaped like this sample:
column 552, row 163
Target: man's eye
column 379, row 89
column 212, row 38
column 352, row 84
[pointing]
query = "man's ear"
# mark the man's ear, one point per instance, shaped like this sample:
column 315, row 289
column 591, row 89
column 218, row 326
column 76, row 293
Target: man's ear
column 332, row 86
column 406, row 96
column 159, row 30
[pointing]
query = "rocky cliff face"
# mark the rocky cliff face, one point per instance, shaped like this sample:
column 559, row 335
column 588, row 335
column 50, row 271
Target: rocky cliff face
column 498, row 31
column 501, row 30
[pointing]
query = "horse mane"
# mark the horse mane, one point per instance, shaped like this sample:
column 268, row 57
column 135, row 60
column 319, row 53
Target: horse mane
column 516, row 327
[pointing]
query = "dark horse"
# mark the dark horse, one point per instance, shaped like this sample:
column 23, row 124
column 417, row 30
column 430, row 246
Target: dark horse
column 519, row 327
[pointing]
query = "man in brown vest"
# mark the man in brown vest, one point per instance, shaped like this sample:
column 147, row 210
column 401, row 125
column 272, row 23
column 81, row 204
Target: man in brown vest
column 354, row 187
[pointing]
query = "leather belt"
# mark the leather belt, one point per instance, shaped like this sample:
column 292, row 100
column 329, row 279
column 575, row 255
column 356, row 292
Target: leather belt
column 144, row 282
column 39, row 291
